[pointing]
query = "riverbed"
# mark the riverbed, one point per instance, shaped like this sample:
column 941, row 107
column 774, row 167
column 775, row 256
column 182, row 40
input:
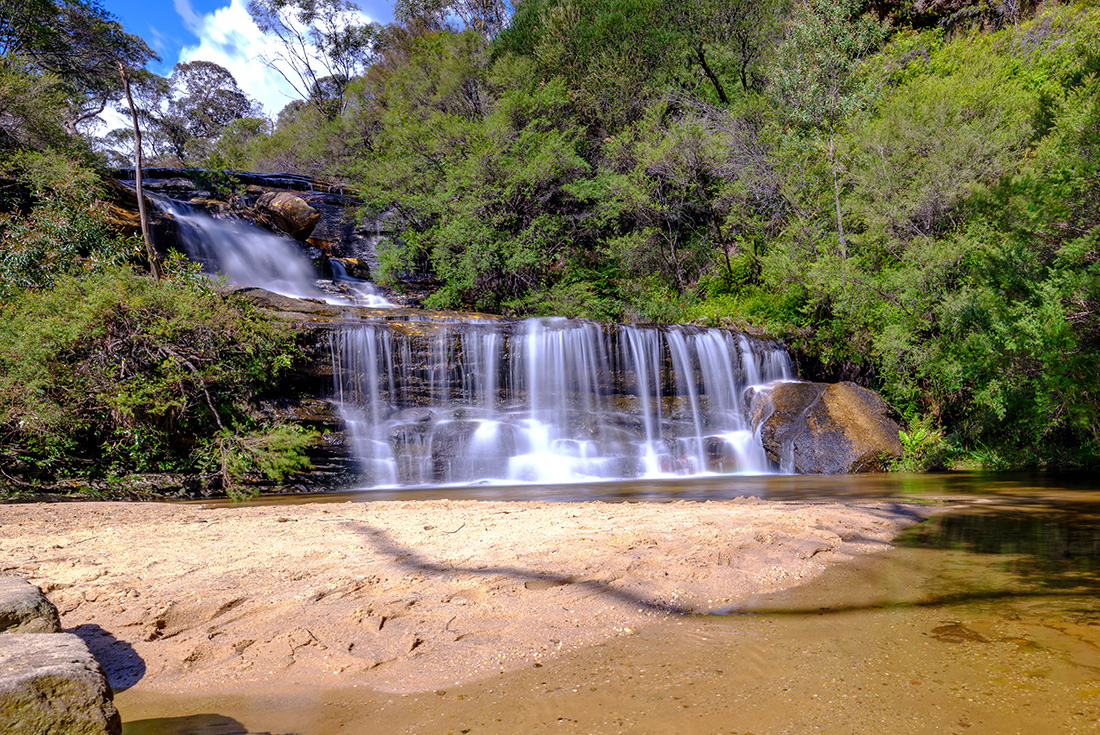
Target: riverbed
column 982, row 619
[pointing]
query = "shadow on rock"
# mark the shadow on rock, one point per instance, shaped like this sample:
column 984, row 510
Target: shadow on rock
column 190, row 725
column 122, row 664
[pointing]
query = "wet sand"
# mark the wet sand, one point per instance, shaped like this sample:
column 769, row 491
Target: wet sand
column 405, row 597
column 912, row 641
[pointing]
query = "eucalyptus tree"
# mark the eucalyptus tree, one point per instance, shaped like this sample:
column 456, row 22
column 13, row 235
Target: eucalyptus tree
column 324, row 45
column 814, row 75
column 486, row 17
column 183, row 116
column 79, row 44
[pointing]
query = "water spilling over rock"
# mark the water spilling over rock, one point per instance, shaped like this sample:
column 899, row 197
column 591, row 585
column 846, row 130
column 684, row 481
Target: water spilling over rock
column 250, row 256
column 548, row 400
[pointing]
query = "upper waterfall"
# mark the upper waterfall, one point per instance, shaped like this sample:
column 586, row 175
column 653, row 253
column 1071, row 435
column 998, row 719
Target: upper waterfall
column 548, row 400
column 250, row 256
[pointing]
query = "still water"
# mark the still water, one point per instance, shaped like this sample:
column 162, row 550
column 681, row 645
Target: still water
column 984, row 619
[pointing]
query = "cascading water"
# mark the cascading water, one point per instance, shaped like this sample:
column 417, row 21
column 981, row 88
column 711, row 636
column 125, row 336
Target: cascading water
column 548, row 400
column 250, row 256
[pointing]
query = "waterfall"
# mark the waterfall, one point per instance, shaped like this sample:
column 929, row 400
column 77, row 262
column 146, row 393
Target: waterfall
column 250, row 256
column 547, row 400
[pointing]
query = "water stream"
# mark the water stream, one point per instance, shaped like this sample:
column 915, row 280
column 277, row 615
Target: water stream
column 548, row 400
column 247, row 255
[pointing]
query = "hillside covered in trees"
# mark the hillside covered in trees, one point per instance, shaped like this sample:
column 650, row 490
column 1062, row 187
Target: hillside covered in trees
column 908, row 194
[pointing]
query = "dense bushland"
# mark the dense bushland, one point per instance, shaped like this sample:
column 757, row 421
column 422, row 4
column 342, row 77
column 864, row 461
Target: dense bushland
column 105, row 372
column 112, row 373
column 906, row 198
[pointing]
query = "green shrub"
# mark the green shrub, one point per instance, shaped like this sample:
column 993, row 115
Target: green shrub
column 112, row 373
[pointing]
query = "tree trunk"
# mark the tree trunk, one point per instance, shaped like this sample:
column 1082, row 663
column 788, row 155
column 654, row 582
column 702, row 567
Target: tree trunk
column 150, row 251
column 836, row 199
column 710, row 74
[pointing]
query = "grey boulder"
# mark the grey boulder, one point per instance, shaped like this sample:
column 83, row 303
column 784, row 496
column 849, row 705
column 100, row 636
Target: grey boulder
column 24, row 609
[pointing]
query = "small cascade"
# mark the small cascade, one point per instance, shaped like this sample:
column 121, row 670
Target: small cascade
column 548, row 400
column 250, row 256
column 365, row 292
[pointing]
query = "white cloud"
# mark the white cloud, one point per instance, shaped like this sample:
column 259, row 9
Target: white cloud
column 186, row 12
column 228, row 37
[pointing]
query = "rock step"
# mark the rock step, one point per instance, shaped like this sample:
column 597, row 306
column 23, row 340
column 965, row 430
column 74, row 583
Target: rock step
column 24, row 609
column 51, row 685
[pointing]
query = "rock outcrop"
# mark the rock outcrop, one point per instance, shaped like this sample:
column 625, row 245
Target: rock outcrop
column 51, row 685
column 290, row 212
column 825, row 428
column 24, row 609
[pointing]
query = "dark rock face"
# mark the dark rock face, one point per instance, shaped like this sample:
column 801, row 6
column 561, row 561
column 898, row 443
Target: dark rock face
column 825, row 429
column 24, row 609
column 51, row 685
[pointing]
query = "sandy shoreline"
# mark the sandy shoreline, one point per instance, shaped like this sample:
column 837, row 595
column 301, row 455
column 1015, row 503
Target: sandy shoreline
column 404, row 596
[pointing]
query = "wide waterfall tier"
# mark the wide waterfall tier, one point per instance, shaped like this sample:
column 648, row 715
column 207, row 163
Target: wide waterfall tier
column 548, row 400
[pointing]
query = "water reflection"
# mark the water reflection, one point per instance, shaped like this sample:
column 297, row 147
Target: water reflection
column 205, row 724
column 1014, row 488
column 1014, row 551
column 1049, row 543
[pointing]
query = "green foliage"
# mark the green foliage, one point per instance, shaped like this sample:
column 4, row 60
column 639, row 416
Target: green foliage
column 113, row 373
column 814, row 73
column 224, row 183
column 32, row 106
column 923, row 447
column 76, row 45
column 920, row 207
column 274, row 452
column 65, row 229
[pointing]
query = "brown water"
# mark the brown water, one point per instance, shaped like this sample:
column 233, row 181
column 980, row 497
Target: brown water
column 986, row 620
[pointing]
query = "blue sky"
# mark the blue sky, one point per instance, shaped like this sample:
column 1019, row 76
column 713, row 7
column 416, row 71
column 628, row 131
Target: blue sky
column 218, row 31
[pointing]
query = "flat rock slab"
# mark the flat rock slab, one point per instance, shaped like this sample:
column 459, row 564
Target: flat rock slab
column 24, row 609
column 51, row 685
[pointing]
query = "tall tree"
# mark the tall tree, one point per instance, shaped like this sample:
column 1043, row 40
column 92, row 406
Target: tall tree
column 814, row 73
column 150, row 251
column 79, row 43
column 324, row 45
column 208, row 98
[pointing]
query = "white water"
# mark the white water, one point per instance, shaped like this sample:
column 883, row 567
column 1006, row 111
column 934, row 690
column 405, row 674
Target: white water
column 250, row 256
column 548, row 400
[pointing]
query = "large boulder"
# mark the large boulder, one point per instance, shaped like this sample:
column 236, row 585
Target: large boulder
column 825, row 428
column 51, row 685
column 24, row 609
column 290, row 212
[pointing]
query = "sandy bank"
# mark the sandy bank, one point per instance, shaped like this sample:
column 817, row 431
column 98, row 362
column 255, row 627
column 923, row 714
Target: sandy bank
column 403, row 596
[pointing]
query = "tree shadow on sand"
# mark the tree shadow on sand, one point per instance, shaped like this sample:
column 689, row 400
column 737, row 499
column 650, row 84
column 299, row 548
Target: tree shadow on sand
column 414, row 561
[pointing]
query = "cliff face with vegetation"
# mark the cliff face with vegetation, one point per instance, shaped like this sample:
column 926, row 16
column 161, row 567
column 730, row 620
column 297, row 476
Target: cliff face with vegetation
column 909, row 196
